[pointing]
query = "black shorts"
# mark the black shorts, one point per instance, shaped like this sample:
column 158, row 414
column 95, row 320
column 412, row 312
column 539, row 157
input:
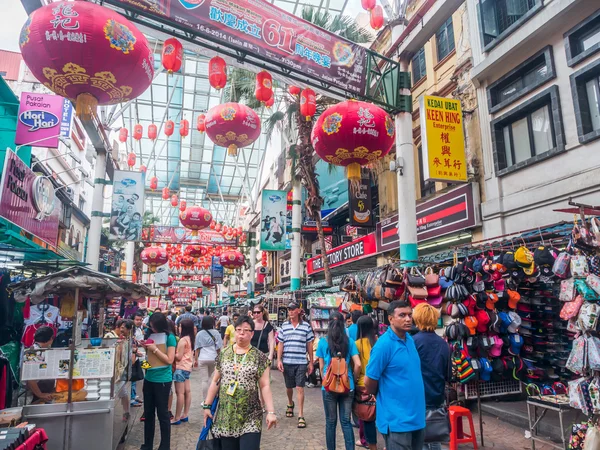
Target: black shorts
column 294, row 375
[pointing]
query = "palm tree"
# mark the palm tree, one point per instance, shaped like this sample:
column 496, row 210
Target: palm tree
column 294, row 128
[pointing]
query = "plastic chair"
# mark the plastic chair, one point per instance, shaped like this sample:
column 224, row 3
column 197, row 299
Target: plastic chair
column 457, row 436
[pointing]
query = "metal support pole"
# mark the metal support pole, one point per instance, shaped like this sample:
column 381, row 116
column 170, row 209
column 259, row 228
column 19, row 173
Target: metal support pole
column 296, row 224
column 129, row 255
column 93, row 250
column 252, row 272
column 405, row 174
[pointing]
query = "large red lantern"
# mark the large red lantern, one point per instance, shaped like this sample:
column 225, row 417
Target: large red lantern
column 201, row 124
column 123, row 134
column 152, row 132
column 154, row 257
column 174, row 200
column 131, row 160
column 195, row 218
column 294, row 90
column 87, row 53
column 182, row 205
column 138, row 132
column 169, row 127
column 232, row 259
column 353, row 134
column 196, row 251
column 308, row 103
column 377, row 17
column 264, row 86
column 232, row 125
column 217, row 72
column 368, row 4
column 172, row 55
column 269, row 103
column 153, row 183
column 165, row 193
column 184, row 128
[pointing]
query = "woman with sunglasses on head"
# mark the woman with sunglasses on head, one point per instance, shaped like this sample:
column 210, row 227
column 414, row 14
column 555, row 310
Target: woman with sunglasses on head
column 264, row 333
column 241, row 371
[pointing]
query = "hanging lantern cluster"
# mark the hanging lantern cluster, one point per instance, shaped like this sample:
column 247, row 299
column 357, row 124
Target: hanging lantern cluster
column 201, row 124
column 195, row 218
column 131, row 160
column 353, row 134
column 184, row 128
column 294, row 90
column 154, row 256
column 232, row 259
column 308, row 103
column 113, row 62
column 217, row 73
column 123, row 134
column 264, row 87
column 376, row 17
column 174, row 200
column 172, row 55
column 264, row 259
column 138, row 132
column 153, row 183
column 232, row 125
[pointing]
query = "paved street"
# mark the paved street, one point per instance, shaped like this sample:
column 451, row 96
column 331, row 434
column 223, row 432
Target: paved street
column 498, row 435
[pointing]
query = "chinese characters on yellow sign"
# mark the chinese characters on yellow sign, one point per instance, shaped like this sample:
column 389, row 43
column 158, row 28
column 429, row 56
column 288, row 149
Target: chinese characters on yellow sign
column 442, row 139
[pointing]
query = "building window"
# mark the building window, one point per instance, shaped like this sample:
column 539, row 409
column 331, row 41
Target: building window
column 523, row 79
column 81, row 203
column 445, row 39
column 427, row 187
column 498, row 18
column 583, row 40
column 585, row 86
column 529, row 133
column 418, row 65
column 77, row 240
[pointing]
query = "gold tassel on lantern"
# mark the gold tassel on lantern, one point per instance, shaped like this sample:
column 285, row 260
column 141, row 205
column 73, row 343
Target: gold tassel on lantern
column 232, row 150
column 354, row 176
column 85, row 106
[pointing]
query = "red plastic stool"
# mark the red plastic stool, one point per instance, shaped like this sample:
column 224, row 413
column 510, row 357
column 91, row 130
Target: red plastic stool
column 457, row 436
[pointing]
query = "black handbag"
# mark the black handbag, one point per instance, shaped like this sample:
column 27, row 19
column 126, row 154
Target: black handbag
column 137, row 373
column 437, row 425
column 209, row 444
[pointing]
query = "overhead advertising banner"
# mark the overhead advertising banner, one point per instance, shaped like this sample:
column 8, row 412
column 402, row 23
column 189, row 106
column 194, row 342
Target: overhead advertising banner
column 448, row 213
column 443, row 139
column 127, row 208
column 43, row 118
column 28, row 200
column 267, row 32
column 361, row 214
column 273, row 220
column 216, row 271
column 353, row 251
column 180, row 235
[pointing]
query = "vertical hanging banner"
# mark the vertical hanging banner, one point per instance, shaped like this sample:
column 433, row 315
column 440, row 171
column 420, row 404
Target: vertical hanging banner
column 360, row 202
column 273, row 220
column 443, row 139
column 216, row 271
column 127, row 208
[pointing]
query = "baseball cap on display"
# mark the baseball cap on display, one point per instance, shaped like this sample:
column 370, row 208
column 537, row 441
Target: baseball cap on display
column 505, row 321
column 524, row 307
column 470, row 303
column 491, row 301
column 513, row 298
column 471, row 323
column 515, row 322
column 486, row 369
column 483, row 320
column 496, row 349
column 543, row 257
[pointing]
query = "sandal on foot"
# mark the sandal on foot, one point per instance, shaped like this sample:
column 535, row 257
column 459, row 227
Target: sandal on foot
column 289, row 410
column 301, row 422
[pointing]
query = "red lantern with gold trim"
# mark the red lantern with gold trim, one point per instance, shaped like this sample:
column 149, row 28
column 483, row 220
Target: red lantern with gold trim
column 195, row 251
column 174, row 200
column 217, row 72
column 294, row 90
column 165, row 193
column 138, row 132
column 87, row 53
column 353, row 134
column 182, row 205
column 232, row 125
column 308, row 103
column 232, row 259
column 131, row 160
column 184, row 128
column 154, row 256
column 269, row 103
column 368, row 5
column 169, row 127
column 376, row 18
column 153, row 183
column 123, row 134
column 201, row 124
column 172, row 55
column 195, row 218
column 152, row 132
column 264, row 86
column 143, row 168
column 206, row 282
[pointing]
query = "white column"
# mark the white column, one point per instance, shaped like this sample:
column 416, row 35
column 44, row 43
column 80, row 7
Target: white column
column 296, row 269
column 129, row 256
column 252, row 272
column 93, row 250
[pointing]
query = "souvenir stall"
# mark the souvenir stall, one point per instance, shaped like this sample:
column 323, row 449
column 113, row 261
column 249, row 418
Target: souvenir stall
column 89, row 388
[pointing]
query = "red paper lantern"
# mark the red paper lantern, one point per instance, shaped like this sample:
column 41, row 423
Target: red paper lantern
column 368, row 4
column 131, row 160
column 196, row 251
column 182, row 205
column 294, row 90
column 169, row 127
column 264, row 86
column 308, row 103
column 153, row 183
column 232, row 125
column 217, row 72
column 165, row 193
column 232, row 259
column 172, row 55
column 201, row 125
column 168, row 283
column 353, row 134
column 143, row 168
column 174, row 200
column 152, row 132
column 269, row 103
column 87, row 53
column 138, row 132
column 195, row 218
column 154, row 257
column 123, row 134
column 377, row 17
column 218, row 227
column 206, row 282
column 184, row 128
column 171, row 292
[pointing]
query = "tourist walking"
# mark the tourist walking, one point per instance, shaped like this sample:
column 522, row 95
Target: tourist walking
column 207, row 348
column 264, row 333
column 240, row 372
column 367, row 336
column 187, row 315
column 295, row 341
column 157, row 382
column 338, row 345
column 184, row 358
column 394, row 375
column 435, row 359
column 223, row 323
column 229, row 338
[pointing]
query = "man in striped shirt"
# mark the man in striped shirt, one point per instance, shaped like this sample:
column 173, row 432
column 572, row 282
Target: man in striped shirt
column 295, row 341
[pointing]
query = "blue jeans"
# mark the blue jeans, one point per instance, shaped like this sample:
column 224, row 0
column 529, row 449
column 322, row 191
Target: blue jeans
column 133, row 391
column 331, row 403
column 432, row 446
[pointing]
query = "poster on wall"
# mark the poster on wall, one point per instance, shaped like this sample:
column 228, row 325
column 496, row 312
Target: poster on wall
column 273, row 220
column 127, row 208
column 361, row 214
column 43, row 118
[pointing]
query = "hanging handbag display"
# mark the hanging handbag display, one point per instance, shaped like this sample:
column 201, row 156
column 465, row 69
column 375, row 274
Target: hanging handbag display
column 431, row 279
column 415, row 278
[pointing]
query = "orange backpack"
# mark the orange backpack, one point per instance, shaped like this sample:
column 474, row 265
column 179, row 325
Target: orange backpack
column 336, row 379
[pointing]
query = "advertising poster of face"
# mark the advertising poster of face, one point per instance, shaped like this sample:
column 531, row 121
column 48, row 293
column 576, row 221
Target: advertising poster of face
column 127, row 208
column 273, row 220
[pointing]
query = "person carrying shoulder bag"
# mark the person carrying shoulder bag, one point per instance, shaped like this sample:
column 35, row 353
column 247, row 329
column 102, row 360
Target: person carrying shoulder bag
column 208, row 345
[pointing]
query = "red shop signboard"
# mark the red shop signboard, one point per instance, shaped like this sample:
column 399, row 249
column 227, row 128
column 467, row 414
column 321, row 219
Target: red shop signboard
column 353, row 251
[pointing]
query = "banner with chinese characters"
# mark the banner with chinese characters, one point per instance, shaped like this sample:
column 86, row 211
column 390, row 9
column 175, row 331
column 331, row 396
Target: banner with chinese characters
column 442, row 139
column 267, row 32
column 273, row 220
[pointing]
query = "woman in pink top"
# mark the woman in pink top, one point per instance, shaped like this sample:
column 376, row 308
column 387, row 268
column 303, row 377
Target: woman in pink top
column 184, row 358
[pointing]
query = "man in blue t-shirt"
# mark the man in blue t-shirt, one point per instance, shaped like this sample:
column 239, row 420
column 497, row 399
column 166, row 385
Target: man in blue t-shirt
column 394, row 375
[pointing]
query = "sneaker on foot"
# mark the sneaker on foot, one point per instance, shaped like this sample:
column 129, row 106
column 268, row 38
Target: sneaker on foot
column 143, row 418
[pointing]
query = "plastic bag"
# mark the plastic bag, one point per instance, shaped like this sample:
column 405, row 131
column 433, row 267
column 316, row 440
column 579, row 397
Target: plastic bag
column 592, row 438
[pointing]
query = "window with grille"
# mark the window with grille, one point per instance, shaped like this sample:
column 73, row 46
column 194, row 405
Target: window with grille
column 585, row 86
column 418, row 65
column 497, row 16
column 583, row 40
column 445, row 39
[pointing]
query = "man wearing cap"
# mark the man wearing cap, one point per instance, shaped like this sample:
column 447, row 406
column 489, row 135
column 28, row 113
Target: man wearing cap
column 295, row 341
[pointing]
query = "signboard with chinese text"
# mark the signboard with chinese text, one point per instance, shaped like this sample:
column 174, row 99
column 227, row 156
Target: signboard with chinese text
column 442, row 139
column 43, row 118
column 273, row 220
column 353, row 251
column 180, row 235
